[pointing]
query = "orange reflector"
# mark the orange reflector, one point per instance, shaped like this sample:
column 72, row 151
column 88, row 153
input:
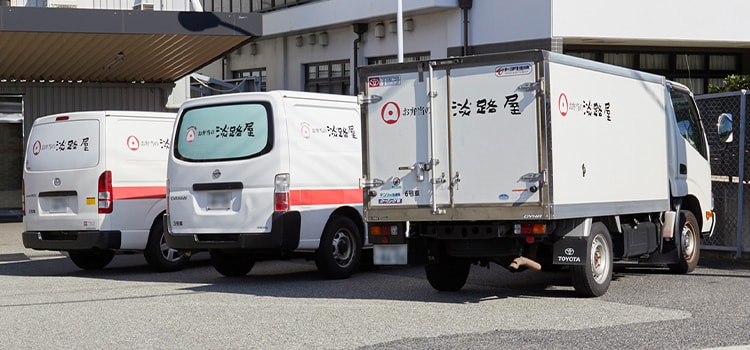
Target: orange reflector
column 709, row 215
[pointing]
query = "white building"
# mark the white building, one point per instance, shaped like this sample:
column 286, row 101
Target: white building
column 310, row 44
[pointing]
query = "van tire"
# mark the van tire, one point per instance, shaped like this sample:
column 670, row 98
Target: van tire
column 91, row 260
column 231, row 265
column 159, row 255
column 593, row 277
column 687, row 242
column 340, row 248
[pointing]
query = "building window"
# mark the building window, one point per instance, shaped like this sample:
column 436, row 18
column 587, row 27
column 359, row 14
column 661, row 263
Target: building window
column 394, row 59
column 250, row 5
column 695, row 70
column 328, row 77
column 258, row 73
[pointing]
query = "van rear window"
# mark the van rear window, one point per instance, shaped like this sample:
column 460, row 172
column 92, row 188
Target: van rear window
column 63, row 145
column 224, row 132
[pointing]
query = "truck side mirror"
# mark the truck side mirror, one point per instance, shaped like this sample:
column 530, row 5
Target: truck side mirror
column 724, row 127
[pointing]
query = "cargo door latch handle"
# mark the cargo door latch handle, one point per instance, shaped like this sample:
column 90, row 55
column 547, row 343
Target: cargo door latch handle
column 420, row 167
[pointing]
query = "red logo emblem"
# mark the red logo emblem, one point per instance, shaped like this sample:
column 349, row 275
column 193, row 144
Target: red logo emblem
column 562, row 104
column 133, row 143
column 373, row 82
column 37, row 148
column 390, row 113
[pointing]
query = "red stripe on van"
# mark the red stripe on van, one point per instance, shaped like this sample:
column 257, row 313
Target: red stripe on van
column 320, row 197
column 139, row 192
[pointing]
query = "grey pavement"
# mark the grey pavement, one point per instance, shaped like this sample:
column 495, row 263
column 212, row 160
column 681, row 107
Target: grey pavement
column 11, row 244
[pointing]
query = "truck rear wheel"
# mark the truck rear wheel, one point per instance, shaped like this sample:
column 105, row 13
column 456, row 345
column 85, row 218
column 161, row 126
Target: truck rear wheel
column 688, row 244
column 340, row 248
column 231, row 265
column 449, row 274
column 592, row 278
column 92, row 260
column 161, row 256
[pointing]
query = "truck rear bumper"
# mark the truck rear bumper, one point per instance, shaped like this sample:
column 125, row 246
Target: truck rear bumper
column 284, row 237
column 72, row 240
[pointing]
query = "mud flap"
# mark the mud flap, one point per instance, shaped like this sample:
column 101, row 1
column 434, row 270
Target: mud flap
column 572, row 247
column 570, row 251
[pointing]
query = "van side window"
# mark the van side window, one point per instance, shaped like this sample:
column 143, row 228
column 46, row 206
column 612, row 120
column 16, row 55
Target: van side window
column 688, row 121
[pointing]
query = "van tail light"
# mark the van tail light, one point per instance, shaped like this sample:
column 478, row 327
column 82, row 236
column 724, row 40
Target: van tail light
column 281, row 192
column 105, row 192
column 23, row 197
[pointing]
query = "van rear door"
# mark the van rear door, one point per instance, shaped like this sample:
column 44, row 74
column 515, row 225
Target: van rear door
column 221, row 179
column 61, row 174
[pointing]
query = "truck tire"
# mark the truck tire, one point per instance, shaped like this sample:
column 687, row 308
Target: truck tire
column 159, row 255
column 231, row 265
column 91, row 260
column 449, row 274
column 340, row 248
column 592, row 278
column 687, row 243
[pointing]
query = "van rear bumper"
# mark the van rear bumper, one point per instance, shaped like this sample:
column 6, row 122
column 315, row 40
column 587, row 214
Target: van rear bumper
column 284, row 237
column 72, row 240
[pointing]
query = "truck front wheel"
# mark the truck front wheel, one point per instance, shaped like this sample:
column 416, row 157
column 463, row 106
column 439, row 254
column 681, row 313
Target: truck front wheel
column 592, row 278
column 688, row 243
column 231, row 265
column 448, row 274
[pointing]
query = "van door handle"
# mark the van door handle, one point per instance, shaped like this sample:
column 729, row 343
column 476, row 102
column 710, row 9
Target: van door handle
column 215, row 186
column 683, row 169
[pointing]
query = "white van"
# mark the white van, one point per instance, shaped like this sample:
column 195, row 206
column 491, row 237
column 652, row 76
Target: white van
column 93, row 186
column 262, row 175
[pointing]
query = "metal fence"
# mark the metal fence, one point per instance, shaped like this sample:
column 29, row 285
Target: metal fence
column 730, row 170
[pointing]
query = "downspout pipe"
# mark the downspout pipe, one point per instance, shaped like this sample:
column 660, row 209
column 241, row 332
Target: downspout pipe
column 465, row 6
column 359, row 29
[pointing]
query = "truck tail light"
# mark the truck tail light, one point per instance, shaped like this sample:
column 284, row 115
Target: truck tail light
column 382, row 233
column 281, row 193
column 105, row 192
column 530, row 229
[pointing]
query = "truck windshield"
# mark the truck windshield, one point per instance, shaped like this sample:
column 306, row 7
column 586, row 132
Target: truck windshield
column 224, row 132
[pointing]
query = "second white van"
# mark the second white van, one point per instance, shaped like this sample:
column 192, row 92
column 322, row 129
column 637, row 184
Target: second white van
column 268, row 175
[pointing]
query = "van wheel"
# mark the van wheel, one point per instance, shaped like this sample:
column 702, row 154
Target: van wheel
column 340, row 248
column 688, row 243
column 91, row 260
column 448, row 274
column 592, row 278
column 231, row 265
column 161, row 256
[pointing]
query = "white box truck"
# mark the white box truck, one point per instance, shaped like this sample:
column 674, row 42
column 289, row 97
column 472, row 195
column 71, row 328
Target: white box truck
column 94, row 185
column 532, row 159
column 268, row 175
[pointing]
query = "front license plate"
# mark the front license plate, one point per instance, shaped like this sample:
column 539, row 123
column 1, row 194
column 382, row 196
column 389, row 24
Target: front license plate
column 391, row 254
column 219, row 201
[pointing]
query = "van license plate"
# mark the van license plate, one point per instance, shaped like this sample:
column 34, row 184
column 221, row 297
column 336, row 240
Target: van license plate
column 58, row 205
column 391, row 254
column 219, row 201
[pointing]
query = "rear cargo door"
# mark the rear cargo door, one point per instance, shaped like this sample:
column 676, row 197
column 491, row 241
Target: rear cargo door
column 406, row 151
column 61, row 173
column 494, row 134
column 473, row 139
